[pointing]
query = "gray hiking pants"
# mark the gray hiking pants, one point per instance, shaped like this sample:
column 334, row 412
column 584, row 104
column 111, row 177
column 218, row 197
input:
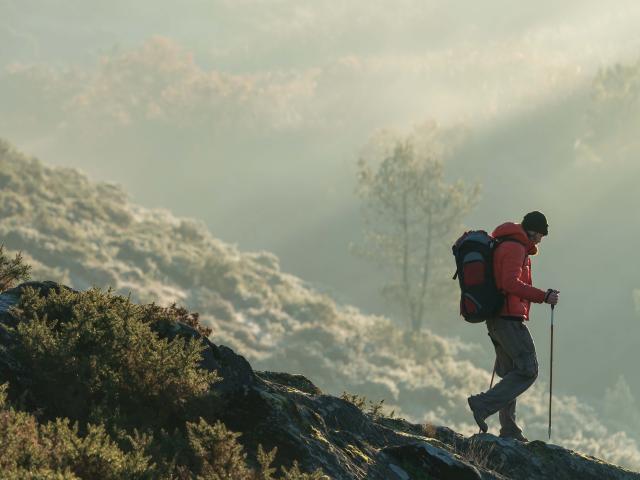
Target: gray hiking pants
column 516, row 364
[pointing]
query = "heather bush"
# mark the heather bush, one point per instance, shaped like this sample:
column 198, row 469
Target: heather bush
column 55, row 450
column 218, row 455
column 216, row 452
column 93, row 356
column 12, row 269
column 115, row 391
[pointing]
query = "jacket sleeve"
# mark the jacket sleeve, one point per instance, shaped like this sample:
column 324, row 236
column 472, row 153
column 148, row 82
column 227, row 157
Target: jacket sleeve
column 513, row 256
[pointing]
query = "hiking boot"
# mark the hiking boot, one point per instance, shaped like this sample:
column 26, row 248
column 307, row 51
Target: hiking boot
column 477, row 415
column 515, row 436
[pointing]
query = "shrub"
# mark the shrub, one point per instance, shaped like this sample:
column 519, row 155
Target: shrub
column 12, row 270
column 55, row 450
column 114, row 367
column 374, row 410
column 119, row 389
column 218, row 456
column 216, row 452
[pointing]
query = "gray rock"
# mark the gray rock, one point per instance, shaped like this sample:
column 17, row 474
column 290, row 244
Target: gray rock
column 432, row 462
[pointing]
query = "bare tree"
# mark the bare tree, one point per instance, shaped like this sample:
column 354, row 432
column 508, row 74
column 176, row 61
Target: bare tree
column 411, row 216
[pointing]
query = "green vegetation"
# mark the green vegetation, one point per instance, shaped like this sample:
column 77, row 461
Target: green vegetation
column 101, row 387
column 374, row 409
column 12, row 269
column 33, row 449
column 55, row 450
column 113, row 365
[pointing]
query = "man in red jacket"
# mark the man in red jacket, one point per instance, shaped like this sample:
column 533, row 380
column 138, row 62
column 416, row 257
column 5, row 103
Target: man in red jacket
column 516, row 361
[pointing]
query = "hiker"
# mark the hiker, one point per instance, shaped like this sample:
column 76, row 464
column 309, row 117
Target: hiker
column 516, row 363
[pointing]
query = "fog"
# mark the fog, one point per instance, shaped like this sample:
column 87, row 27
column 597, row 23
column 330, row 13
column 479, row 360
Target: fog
column 250, row 115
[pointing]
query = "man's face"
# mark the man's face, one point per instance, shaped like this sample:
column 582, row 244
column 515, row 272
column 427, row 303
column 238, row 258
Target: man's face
column 535, row 237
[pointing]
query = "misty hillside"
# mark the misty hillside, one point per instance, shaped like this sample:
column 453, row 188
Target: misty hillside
column 84, row 234
column 261, row 144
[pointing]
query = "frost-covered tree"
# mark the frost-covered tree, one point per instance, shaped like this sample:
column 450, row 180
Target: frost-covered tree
column 412, row 215
column 610, row 130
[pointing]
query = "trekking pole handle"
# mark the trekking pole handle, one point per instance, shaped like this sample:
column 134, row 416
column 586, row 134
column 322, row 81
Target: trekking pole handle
column 551, row 371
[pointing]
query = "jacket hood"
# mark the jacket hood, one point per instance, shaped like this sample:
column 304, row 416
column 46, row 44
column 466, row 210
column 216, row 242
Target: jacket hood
column 516, row 232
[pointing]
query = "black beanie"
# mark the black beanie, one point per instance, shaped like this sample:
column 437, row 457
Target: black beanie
column 535, row 222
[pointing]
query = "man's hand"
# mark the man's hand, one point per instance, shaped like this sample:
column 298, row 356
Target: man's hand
column 552, row 297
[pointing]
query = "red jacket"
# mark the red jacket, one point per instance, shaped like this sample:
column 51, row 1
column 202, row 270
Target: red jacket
column 512, row 270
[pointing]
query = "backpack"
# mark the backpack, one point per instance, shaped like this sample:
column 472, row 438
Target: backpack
column 480, row 298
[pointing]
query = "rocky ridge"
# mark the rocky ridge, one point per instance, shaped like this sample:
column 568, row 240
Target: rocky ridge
column 332, row 434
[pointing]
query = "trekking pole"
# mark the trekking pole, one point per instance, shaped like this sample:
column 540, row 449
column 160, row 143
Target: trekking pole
column 551, row 371
column 493, row 375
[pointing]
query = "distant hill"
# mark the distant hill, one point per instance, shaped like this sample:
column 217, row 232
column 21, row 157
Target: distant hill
column 85, row 234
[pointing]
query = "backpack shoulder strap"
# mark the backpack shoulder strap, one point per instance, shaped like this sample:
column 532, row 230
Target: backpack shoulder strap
column 509, row 239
